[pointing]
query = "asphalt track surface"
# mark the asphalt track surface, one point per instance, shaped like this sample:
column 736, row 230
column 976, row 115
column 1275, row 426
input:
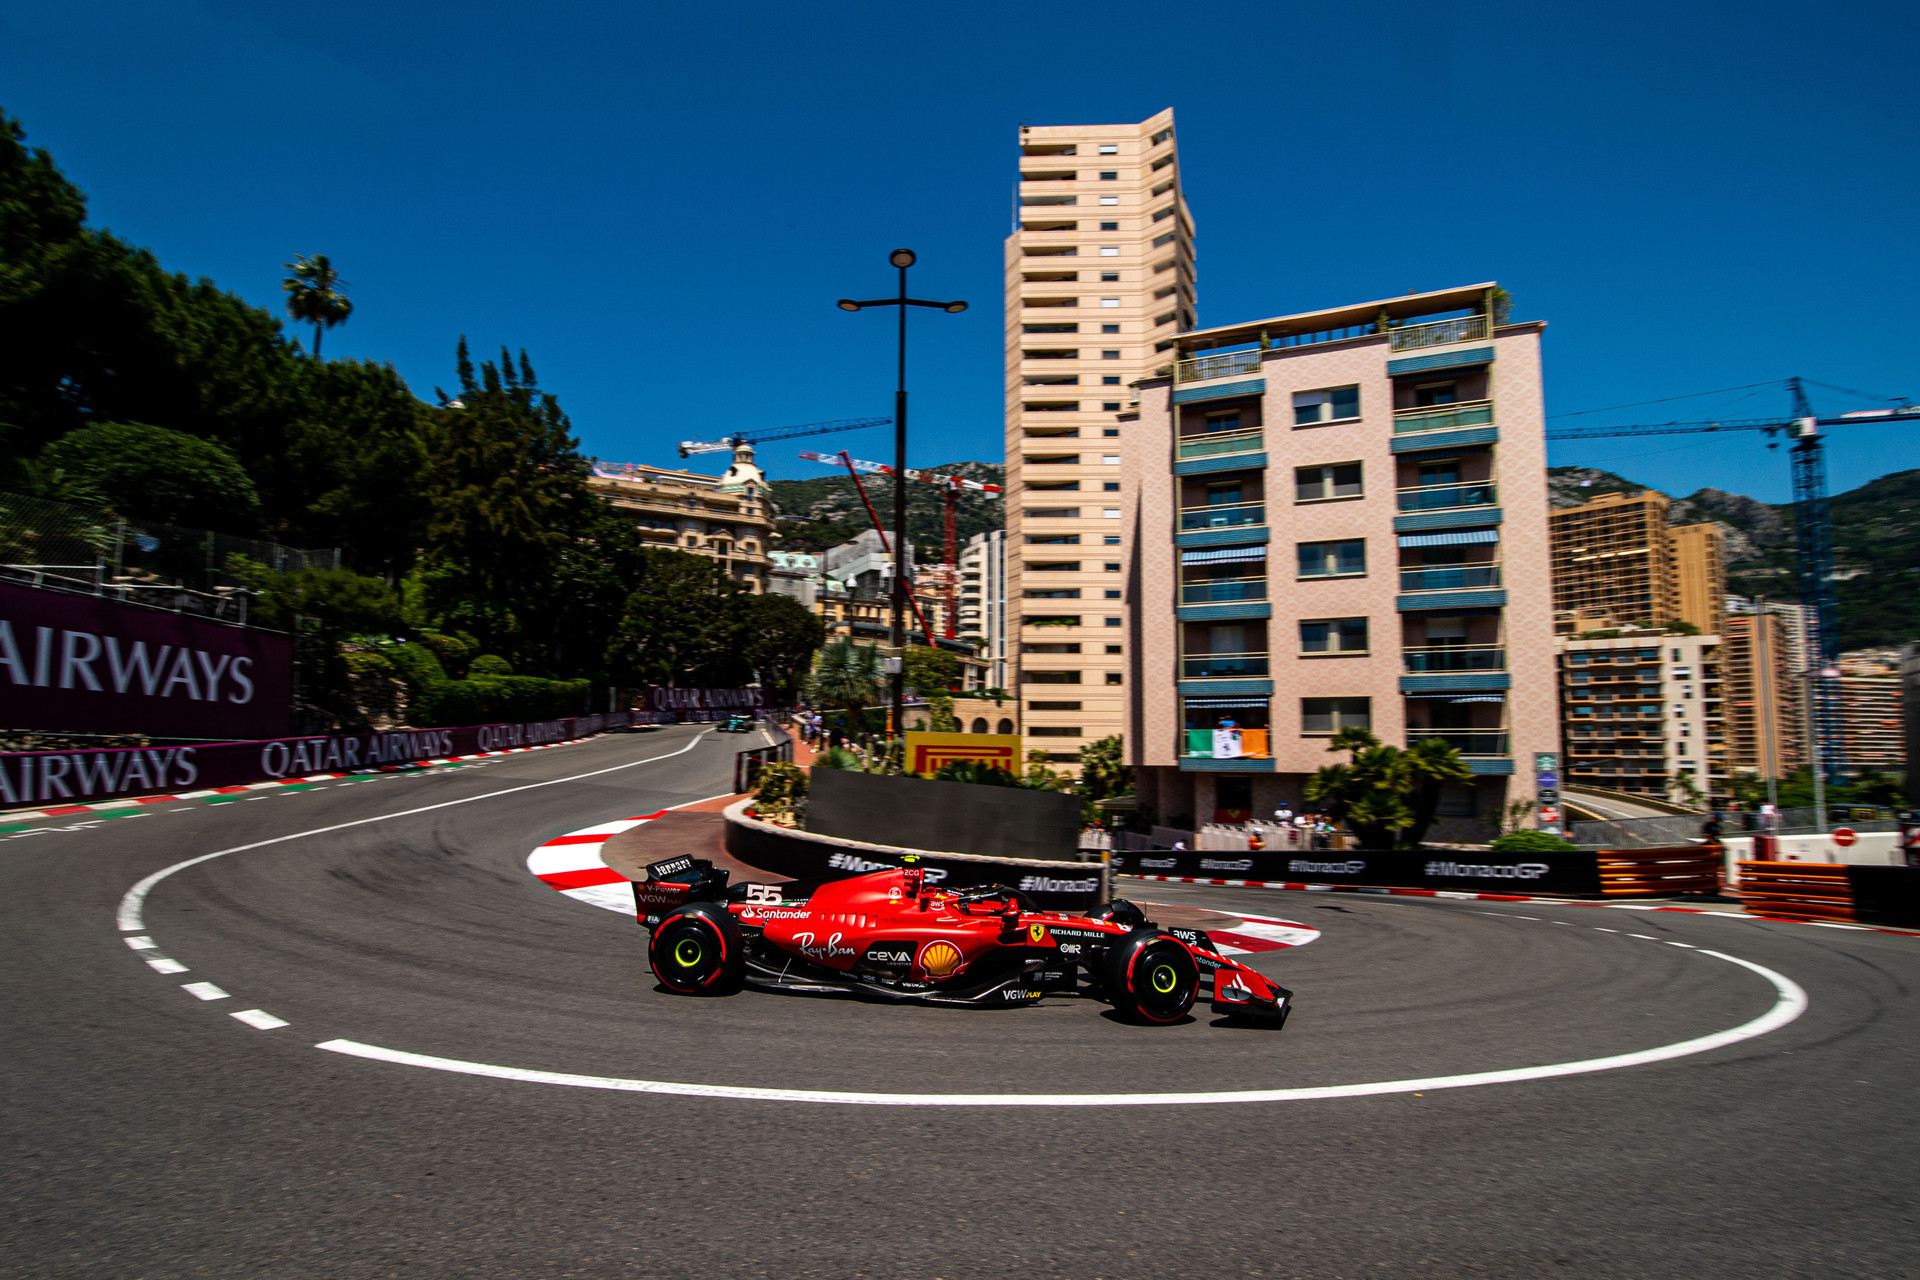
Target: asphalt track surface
column 148, row 1133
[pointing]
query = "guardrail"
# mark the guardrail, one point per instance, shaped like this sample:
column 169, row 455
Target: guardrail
column 1693, row 868
column 748, row 764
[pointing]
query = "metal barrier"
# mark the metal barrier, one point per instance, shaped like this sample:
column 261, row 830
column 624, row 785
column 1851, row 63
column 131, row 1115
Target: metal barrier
column 1693, row 868
column 747, row 764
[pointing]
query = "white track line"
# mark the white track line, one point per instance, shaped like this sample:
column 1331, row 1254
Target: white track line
column 1790, row 1002
column 133, row 904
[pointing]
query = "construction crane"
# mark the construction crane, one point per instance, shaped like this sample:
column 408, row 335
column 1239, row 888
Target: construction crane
column 1813, row 537
column 729, row 443
column 953, row 486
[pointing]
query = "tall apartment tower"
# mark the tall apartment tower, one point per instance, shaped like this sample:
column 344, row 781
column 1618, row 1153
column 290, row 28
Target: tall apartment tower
column 1099, row 279
column 1615, row 560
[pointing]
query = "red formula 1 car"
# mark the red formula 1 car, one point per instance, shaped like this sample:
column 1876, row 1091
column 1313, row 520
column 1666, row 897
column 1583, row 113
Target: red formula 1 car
column 889, row 935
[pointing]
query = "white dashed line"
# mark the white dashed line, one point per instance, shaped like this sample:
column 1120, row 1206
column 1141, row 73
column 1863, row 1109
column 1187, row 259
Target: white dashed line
column 260, row 1019
column 1647, row 936
column 203, row 990
column 1688, row 945
column 163, row 965
column 141, row 943
column 1602, row 929
column 1535, row 919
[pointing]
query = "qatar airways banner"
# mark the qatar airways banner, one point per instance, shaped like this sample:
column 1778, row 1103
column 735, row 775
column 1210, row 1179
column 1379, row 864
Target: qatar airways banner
column 82, row 777
column 685, row 705
column 82, row 664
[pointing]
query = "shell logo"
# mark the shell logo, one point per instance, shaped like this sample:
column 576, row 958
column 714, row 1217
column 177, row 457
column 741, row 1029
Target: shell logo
column 940, row 958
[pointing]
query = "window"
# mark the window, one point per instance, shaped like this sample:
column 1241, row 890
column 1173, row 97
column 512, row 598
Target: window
column 1109, row 148
column 1108, row 175
column 1103, row 200
column 1053, row 540
column 1109, row 250
column 1049, row 648
column 1329, row 715
column 1109, row 355
column 1223, row 421
column 1113, row 566
column 1110, row 431
column 1054, row 593
column 1110, row 513
column 1113, row 595
column 1053, row 566
column 1053, row 513
column 1109, row 328
column 1052, row 731
column 1050, row 677
column 1053, row 706
column 1333, row 559
column 1113, row 648
column 1322, row 484
column 1109, row 226
column 1111, row 406
column 1109, row 302
column 1109, row 277
column 1334, row 635
column 1110, row 381
column 1428, row 394
column 1113, row 677
column 1111, row 540
column 1331, row 405
column 1111, row 459
column 1110, row 486
column 1050, row 328
column 1113, row 622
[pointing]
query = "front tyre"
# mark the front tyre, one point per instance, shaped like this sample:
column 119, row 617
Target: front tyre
column 1151, row 977
column 696, row 951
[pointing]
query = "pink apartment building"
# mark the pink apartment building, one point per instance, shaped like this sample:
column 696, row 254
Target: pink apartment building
column 1340, row 518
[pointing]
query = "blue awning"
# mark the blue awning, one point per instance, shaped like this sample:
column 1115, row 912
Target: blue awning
column 1222, row 555
column 1225, row 703
column 1462, row 538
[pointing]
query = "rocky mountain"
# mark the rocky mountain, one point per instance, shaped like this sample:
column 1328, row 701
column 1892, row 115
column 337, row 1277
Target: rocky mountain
column 817, row 514
column 1876, row 535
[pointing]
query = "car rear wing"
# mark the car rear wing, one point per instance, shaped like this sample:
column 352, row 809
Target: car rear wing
column 674, row 882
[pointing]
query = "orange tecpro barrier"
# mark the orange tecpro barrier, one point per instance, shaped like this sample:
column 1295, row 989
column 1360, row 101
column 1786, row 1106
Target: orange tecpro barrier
column 1687, row 868
column 1797, row 890
column 926, row 752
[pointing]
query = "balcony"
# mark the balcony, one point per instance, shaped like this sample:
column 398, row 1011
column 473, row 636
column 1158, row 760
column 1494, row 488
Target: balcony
column 1223, row 666
column 1468, row 742
column 1221, row 442
column 1224, row 365
column 1465, row 578
column 1223, row 590
column 1447, row 497
column 1203, row 744
column 1445, row 417
column 1466, row 657
column 1224, row 516
column 1438, row 333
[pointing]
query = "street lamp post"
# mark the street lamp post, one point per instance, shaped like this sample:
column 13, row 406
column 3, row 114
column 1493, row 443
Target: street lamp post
column 902, row 259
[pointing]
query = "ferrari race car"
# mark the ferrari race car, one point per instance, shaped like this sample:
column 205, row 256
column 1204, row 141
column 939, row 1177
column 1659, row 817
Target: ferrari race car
column 890, row 935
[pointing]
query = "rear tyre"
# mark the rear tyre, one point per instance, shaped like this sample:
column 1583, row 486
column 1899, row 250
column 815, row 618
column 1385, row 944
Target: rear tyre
column 696, row 951
column 1151, row 977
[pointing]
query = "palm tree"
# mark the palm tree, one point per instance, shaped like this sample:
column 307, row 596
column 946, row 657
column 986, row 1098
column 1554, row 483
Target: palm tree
column 1430, row 764
column 315, row 295
column 847, row 675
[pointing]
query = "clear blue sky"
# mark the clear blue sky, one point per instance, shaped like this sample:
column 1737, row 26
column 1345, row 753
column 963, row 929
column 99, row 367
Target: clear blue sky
column 662, row 202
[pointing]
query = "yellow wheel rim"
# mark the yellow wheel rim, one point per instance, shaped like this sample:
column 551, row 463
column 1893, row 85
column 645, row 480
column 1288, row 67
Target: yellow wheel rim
column 687, row 952
column 1165, row 979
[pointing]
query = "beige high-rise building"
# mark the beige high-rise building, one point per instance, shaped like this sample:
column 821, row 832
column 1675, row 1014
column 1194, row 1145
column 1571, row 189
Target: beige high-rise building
column 1616, row 561
column 1099, row 279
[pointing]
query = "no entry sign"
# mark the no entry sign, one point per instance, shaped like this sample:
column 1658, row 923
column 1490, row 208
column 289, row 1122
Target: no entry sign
column 1844, row 837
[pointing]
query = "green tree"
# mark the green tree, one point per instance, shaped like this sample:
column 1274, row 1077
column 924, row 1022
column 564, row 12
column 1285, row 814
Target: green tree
column 151, row 472
column 322, row 608
column 681, row 624
column 847, row 676
column 781, row 636
column 316, row 295
column 929, row 670
column 1430, row 765
column 1386, row 796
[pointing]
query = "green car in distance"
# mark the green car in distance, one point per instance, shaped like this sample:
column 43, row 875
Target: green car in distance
column 738, row 722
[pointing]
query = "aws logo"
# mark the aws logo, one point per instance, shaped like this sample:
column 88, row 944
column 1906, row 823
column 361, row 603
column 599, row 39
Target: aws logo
column 940, row 958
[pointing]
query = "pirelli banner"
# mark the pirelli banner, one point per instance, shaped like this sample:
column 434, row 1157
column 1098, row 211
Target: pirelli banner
column 1572, row 875
column 84, row 777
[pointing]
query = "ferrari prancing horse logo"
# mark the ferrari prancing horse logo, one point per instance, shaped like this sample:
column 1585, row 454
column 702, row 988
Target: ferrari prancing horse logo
column 1036, row 934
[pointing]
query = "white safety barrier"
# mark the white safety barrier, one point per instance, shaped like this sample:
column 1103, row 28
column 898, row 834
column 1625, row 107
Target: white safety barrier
column 1869, row 848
